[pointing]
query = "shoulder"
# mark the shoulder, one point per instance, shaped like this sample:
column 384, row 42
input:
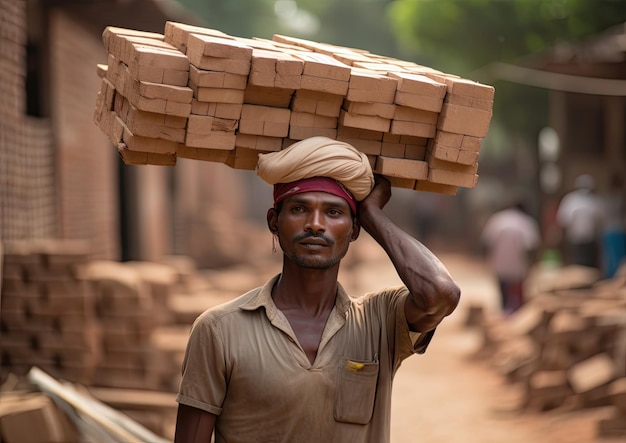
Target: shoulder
column 216, row 314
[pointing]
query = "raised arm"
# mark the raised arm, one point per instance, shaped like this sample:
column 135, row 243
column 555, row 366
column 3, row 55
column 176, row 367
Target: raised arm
column 433, row 293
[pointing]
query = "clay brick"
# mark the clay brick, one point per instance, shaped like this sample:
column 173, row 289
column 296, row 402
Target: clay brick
column 370, row 122
column 218, row 47
column 464, row 120
column 396, row 167
column 263, row 96
column 214, row 79
column 383, row 110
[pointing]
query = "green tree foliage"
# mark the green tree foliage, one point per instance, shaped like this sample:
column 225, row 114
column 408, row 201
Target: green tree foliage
column 462, row 35
column 241, row 18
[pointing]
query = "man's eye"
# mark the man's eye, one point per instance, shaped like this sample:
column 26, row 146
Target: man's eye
column 297, row 209
column 334, row 212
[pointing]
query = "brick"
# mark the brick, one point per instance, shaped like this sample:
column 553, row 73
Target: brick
column 437, row 163
column 234, row 66
column 464, row 120
column 419, row 85
column 323, row 66
column 214, row 140
column 218, row 47
column 218, row 95
column 312, row 120
column 180, row 94
column 220, row 110
column 396, row 167
column 395, row 150
column 317, row 102
column 177, row 34
column 425, row 102
column 262, row 96
column 259, row 142
column 204, row 154
column 471, row 102
column 365, row 134
column 405, row 113
column 242, row 158
column 383, row 110
column 275, row 69
column 452, row 178
column 324, row 84
column 416, row 129
column 469, row 88
column 364, row 121
column 264, row 120
column 156, row 57
column 213, row 79
column 415, row 152
column 148, row 144
column 367, row 86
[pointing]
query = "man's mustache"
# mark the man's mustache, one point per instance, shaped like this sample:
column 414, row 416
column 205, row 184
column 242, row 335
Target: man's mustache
column 306, row 235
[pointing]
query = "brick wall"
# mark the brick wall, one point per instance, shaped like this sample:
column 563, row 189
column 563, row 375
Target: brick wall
column 27, row 197
column 86, row 162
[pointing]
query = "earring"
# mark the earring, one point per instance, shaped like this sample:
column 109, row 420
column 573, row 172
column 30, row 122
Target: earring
column 274, row 243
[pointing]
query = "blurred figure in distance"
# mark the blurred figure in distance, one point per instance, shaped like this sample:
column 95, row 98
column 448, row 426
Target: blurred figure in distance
column 511, row 239
column 579, row 215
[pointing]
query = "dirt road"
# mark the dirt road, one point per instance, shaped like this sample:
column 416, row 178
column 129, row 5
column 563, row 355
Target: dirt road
column 446, row 395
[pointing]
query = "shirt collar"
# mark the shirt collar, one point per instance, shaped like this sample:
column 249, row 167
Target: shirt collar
column 263, row 298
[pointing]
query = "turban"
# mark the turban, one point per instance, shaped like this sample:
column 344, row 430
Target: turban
column 319, row 157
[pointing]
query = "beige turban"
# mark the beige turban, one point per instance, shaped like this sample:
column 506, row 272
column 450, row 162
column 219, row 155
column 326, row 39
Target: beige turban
column 319, row 157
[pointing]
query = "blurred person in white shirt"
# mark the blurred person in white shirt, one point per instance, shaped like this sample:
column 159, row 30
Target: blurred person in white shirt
column 511, row 239
column 579, row 214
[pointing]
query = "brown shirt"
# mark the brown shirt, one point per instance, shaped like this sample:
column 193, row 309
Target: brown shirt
column 243, row 363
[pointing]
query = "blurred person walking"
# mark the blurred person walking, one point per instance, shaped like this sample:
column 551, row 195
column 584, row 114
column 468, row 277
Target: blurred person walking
column 614, row 227
column 579, row 215
column 511, row 239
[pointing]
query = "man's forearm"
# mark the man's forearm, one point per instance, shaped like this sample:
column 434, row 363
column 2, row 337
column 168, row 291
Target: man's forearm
column 433, row 291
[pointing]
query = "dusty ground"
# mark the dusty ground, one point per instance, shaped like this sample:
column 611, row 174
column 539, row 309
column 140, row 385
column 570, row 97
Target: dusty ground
column 447, row 395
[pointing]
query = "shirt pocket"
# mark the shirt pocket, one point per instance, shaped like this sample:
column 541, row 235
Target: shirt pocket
column 356, row 391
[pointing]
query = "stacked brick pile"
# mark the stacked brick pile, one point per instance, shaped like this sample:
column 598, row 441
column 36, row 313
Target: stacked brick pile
column 198, row 93
column 84, row 320
column 567, row 347
column 130, row 305
column 47, row 317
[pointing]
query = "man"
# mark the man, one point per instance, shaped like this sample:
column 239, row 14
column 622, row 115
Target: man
column 511, row 239
column 297, row 360
column 580, row 216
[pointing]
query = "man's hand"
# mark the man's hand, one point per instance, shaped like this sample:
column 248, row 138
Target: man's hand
column 379, row 196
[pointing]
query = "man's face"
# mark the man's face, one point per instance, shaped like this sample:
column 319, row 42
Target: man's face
column 315, row 229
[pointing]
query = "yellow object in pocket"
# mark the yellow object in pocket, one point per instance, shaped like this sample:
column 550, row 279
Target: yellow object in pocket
column 354, row 366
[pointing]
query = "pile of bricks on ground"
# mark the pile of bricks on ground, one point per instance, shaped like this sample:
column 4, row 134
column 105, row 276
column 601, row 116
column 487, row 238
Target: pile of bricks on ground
column 566, row 345
column 198, row 93
column 84, row 320
column 48, row 316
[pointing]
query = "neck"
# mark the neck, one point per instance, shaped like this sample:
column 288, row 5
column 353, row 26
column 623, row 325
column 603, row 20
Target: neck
column 312, row 289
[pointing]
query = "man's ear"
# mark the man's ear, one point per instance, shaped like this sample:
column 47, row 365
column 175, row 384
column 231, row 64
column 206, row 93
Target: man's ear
column 272, row 220
column 356, row 229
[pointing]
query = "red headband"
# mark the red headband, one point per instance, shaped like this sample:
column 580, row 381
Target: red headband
column 323, row 184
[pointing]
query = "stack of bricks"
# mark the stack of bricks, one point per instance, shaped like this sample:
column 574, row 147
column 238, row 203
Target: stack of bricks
column 47, row 317
column 199, row 93
column 130, row 304
column 567, row 348
column 83, row 320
